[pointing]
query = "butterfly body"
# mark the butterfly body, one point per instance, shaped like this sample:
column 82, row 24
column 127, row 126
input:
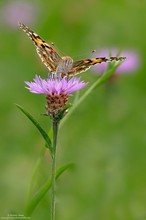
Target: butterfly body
column 64, row 66
column 56, row 64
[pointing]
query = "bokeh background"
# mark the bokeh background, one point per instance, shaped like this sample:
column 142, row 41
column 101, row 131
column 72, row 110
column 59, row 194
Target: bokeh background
column 105, row 136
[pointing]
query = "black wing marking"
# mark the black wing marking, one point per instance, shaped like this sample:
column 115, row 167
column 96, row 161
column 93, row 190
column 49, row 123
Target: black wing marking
column 45, row 51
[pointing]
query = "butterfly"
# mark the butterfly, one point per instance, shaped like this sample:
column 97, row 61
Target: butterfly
column 57, row 64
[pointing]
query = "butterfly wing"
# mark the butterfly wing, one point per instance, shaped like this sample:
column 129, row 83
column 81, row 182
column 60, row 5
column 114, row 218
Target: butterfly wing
column 46, row 52
column 83, row 65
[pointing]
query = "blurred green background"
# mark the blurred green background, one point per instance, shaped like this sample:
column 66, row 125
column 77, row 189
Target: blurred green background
column 105, row 136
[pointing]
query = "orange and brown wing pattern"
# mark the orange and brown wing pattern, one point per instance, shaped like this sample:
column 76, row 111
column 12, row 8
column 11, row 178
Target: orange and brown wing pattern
column 53, row 60
column 45, row 51
column 83, row 65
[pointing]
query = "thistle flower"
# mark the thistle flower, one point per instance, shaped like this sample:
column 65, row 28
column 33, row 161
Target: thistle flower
column 130, row 65
column 57, row 91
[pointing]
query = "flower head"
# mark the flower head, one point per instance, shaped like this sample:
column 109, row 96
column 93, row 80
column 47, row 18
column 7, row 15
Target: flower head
column 57, row 91
column 129, row 65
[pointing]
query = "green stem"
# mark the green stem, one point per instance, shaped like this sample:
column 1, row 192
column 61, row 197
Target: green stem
column 55, row 133
column 97, row 83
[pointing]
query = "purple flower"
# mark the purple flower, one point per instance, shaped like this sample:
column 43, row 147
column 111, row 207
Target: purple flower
column 57, row 91
column 55, row 85
column 130, row 65
column 15, row 11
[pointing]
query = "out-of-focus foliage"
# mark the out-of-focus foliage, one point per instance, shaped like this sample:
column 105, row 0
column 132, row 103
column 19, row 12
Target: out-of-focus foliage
column 105, row 136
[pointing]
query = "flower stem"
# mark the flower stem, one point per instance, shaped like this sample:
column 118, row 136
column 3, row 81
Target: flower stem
column 55, row 133
column 97, row 83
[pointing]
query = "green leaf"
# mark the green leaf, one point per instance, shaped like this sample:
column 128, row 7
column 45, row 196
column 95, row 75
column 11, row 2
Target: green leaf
column 40, row 129
column 44, row 189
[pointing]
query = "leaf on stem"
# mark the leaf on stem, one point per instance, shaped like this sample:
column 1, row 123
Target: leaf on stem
column 40, row 129
column 44, row 189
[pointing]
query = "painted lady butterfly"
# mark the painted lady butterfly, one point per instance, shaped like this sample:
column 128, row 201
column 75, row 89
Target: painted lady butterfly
column 62, row 65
